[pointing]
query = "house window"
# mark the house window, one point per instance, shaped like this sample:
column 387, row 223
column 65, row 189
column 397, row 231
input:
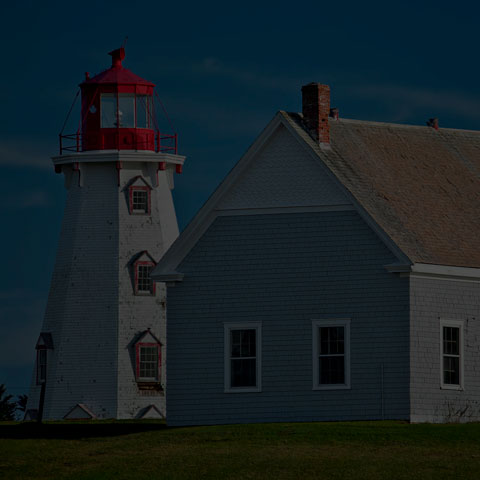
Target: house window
column 331, row 354
column 148, row 362
column 41, row 365
column 242, row 357
column 144, row 285
column 140, row 200
column 451, row 354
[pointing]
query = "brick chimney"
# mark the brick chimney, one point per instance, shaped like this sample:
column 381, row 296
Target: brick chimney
column 316, row 109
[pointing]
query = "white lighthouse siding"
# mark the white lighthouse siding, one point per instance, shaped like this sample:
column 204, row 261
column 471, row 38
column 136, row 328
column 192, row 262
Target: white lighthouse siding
column 81, row 311
column 92, row 312
column 153, row 233
column 434, row 300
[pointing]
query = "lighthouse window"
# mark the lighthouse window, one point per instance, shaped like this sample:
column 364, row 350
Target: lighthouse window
column 148, row 362
column 144, row 284
column 41, row 365
column 144, row 111
column 108, row 109
column 126, row 110
column 139, row 200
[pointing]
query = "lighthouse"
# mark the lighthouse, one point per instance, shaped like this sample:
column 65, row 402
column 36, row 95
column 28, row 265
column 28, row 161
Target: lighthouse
column 101, row 349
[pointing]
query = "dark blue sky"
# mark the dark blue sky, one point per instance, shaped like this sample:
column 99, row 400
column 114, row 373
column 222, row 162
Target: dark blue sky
column 222, row 72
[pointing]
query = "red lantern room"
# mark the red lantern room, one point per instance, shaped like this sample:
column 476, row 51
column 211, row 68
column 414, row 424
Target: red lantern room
column 118, row 113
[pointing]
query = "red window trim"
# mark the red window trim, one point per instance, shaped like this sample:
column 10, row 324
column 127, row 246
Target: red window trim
column 137, row 360
column 143, row 292
column 37, row 379
column 137, row 188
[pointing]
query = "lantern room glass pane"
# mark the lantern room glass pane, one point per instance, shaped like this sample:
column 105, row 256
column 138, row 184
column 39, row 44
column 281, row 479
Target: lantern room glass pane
column 108, row 110
column 144, row 111
column 126, row 110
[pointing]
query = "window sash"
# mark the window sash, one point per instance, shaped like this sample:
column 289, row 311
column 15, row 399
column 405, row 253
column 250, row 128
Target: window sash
column 331, row 354
column 243, row 360
column 144, row 283
column 451, row 360
column 243, row 357
column 41, row 365
column 144, row 111
column 139, row 200
column 126, row 110
column 108, row 110
column 148, row 362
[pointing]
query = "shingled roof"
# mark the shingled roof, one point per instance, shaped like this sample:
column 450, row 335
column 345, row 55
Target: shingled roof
column 420, row 185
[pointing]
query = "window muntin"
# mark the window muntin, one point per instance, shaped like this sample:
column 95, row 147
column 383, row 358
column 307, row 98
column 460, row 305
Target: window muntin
column 144, row 111
column 451, row 354
column 144, row 283
column 140, row 201
column 148, row 362
column 41, row 365
column 331, row 354
column 243, row 357
column 108, row 110
column 126, row 110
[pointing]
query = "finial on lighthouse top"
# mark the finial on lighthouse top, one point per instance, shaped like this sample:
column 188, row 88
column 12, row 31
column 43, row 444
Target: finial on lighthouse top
column 117, row 56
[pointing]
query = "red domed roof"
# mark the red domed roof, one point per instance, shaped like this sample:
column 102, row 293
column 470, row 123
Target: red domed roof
column 117, row 74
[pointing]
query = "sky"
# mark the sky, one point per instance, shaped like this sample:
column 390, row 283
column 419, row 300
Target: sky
column 222, row 71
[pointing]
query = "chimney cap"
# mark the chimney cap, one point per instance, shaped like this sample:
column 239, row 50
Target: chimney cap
column 334, row 113
column 433, row 122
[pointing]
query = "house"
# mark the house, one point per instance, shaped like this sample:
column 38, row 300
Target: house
column 333, row 275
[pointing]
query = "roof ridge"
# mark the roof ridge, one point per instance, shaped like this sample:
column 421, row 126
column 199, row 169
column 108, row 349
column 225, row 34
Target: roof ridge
column 386, row 124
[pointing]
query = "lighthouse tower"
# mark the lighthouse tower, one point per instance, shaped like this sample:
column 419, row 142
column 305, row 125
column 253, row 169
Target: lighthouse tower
column 101, row 350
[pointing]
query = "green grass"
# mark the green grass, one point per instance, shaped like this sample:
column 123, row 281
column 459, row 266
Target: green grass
column 150, row 450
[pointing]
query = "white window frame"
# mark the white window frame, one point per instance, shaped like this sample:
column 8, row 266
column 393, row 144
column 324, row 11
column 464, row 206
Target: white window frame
column 460, row 325
column 228, row 327
column 336, row 322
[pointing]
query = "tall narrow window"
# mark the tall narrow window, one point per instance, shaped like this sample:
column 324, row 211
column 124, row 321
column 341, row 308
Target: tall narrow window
column 452, row 354
column 41, row 365
column 126, row 110
column 331, row 354
column 108, row 110
column 243, row 357
column 144, row 284
column 148, row 362
column 144, row 111
column 139, row 199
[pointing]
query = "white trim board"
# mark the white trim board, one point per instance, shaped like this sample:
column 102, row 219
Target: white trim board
column 96, row 156
column 439, row 272
column 278, row 210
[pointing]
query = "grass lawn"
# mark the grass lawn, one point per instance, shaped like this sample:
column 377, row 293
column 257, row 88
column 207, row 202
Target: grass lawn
column 150, row 450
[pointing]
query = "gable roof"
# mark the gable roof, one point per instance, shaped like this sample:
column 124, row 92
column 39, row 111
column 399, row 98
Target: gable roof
column 420, row 185
column 419, row 188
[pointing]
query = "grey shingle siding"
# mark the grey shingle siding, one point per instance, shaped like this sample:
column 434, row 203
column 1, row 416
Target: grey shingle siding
column 431, row 300
column 285, row 270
